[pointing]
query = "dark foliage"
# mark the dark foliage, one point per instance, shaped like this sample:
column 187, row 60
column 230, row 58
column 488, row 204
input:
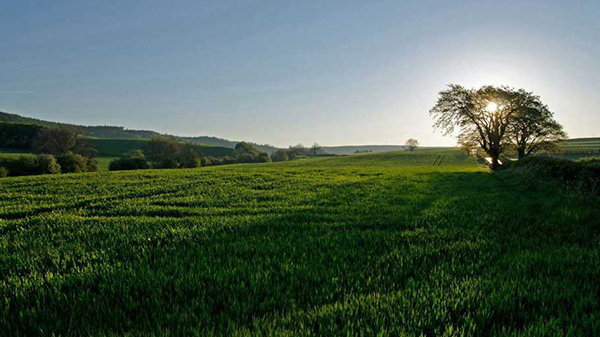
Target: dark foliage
column 29, row 165
column 91, row 164
column 218, row 147
column 72, row 163
column 123, row 164
column 584, row 175
column 18, row 136
column 56, row 141
column 280, row 155
column 168, row 153
column 133, row 160
column 246, row 153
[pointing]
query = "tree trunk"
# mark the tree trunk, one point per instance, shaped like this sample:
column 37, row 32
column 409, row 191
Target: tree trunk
column 521, row 153
column 495, row 162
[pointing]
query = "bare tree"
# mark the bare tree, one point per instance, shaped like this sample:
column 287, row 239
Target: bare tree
column 411, row 144
column 315, row 149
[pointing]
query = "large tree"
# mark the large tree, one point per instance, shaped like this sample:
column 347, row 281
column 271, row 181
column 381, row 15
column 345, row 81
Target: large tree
column 533, row 127
column 490, row 116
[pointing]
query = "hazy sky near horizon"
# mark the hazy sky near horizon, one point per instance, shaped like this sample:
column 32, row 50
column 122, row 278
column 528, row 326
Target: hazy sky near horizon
column 289, row 71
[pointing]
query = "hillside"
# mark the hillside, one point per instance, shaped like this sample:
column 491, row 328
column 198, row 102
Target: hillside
column 119, row 132
column 117, row 147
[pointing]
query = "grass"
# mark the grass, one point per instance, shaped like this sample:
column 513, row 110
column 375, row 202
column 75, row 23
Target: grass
column 375, row 244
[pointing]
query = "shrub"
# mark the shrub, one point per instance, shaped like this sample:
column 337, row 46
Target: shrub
column 133, row 160
column 263, row 158
column 28, row 165
column 206, row 161
column 245, row 158
column 20, row 166
column 166, row 163
column 228, row 160
column 578, row 174
column 191, row 163
column 72, row 163
column 47, row 164
column 3, row 172
column 91, row 165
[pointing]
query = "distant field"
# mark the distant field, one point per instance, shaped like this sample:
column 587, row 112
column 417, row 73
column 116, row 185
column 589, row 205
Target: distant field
column 381, row 244
column 11, row 153
column 579, row 148
column 117, row 147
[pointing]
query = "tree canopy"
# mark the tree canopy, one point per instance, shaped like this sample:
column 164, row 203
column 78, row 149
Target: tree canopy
column 496, row 119
column 411, row 144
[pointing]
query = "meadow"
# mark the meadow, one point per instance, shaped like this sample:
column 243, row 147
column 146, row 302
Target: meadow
column 383, row 244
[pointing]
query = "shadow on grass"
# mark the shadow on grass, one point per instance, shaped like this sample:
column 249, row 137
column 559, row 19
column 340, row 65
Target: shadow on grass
column 380, row 235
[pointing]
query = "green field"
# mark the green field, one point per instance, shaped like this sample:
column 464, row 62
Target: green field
column 117, row 147
column 367, row 245
column 12, row 153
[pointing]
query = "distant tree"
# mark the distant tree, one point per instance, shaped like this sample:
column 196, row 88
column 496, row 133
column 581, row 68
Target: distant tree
column 315, row 149
column 411, row 144
column 56, row 141
column 189, row 156
column 247, row 153
column 468, row 143
column 280, row 155
column 533, row 127
column 483, row 116
column 163, row 152
column 83, row 146
column 297, row 150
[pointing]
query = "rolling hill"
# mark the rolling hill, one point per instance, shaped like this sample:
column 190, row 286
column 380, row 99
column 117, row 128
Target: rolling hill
column 119, row 132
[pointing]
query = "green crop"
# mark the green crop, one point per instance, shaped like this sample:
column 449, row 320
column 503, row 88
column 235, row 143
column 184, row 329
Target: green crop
column 366, row 245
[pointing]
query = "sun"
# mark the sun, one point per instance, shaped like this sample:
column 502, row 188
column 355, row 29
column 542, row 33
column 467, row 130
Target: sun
column 491, row 107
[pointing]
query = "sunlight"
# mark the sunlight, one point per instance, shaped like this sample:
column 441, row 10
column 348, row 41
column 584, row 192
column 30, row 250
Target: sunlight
column 491, row 107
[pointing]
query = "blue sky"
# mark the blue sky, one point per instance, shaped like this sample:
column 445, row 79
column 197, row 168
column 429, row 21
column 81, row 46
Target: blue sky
column 284, row 72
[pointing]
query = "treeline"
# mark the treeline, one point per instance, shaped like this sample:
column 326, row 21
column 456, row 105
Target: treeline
column 166, row 153
column 119, row 132
column 62, row 151
column 18, row 136
column 297, row 152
